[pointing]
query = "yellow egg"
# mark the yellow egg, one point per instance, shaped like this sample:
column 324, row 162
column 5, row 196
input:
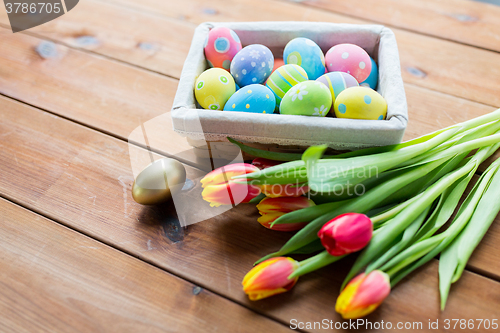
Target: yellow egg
column 158, row 181
column 360, row 103
column 213, row 88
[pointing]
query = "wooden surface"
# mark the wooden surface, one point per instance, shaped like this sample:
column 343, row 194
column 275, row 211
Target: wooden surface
column 78, row 254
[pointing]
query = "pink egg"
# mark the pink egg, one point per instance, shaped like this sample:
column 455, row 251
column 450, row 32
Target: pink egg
column 349, row 58
column 220, row 47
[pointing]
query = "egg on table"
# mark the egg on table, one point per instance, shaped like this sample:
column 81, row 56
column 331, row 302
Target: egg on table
column 349, row 58
column 221, row 46
column 308, row 98
column 158, row 181
column 254, row 98
column 360, row 103
column 283, row 79
column 307, row 54
column 337, row 82
column 372, row 79
column 253, row 64
column 213, row 88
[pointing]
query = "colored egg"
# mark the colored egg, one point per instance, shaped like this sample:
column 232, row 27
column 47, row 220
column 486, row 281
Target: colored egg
column 372, row 79
column 307, row 54
column 284, row 78
column 308, row 98
column 221, row 46
column 213, row 88
column 360, row 103
column 254, row 98
column 253, row 64
column 337, row 82
column 349, row 58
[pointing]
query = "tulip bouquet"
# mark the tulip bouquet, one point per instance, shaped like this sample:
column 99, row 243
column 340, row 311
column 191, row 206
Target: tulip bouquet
column 391, row 203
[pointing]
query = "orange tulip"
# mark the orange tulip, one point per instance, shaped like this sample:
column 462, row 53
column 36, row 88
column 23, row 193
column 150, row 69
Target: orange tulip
column 218, row 189
column 269, row 278
column 363, row 295
column 288, row 190
column 272, row 208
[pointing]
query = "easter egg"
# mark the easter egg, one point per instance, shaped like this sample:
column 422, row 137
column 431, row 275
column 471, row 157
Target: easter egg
column 360, row 103
column 372, row 79
column 213, row 88
column 337, row 82
column 254, row 98
column 307, row 54
column 349, row 58
column 308, row 98
column 221, row 46
column 284, row 78
column 253, row 64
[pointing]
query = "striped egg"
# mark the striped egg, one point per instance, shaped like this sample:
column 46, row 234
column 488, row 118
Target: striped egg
column 283, row 79
column 337, row 82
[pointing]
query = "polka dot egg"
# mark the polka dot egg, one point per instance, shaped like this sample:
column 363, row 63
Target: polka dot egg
column 213, row 88
column 309, row 98
column 253, row 98
column 284, row 78
column 307, row 54
column 372, row 79
column 349, row 58
column 221, row 46
column 253, row 64
column 337, row 82
column 360, row 103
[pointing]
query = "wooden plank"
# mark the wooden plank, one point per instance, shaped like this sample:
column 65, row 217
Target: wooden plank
column 426, row 61
column 82, row 178
column 112, row 97
column 54, row 279
column 463, row 21
column 157, row 43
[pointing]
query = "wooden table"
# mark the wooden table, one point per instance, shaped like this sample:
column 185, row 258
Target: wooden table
column 78, row 254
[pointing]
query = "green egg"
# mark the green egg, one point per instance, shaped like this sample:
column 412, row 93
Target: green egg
column 308, row 98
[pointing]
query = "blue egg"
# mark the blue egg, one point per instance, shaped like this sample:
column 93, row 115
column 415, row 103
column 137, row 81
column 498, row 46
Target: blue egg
column 307, row 54
column 253, row 64
column 254, row 98
column 372, row 80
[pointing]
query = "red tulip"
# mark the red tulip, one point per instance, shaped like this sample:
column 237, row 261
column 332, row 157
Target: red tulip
column 220, row 190
column 272, row 208
column 269, row 278
column 264, row 163
column 363, row 295
column 346, row 233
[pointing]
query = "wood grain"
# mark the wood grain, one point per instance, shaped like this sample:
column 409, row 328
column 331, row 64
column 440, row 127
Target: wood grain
column 469, row 22
column 112, row 97
column 54, row 279
column 157, row 43
column 82, row 178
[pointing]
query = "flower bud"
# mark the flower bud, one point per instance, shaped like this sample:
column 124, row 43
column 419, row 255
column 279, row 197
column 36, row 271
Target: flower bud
column 269, row 278
column 264, row 163
column 363, row 295
column 272, row 208
column 220, row 190
column 346, row 233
